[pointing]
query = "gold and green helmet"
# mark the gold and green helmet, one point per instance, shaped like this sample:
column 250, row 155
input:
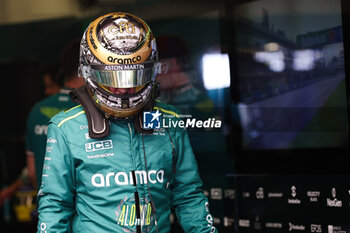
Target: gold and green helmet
column 118, row 50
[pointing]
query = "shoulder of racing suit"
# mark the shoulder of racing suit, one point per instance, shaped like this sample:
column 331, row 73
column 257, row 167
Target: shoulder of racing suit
column 63, row 118
column 166, row 109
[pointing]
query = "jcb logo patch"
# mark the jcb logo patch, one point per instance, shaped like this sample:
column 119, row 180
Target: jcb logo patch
column 100, row 145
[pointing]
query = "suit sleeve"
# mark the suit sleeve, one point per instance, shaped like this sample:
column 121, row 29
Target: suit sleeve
column 190, row 203
column 57, row 191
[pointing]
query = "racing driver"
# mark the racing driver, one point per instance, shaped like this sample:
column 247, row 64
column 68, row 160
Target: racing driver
column 109, row 166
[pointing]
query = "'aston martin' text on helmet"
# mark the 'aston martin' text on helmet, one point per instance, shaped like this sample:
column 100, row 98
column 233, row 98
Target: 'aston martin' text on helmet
column 118, row 50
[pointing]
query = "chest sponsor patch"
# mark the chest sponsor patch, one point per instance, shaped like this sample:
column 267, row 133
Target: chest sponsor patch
column 99, row 145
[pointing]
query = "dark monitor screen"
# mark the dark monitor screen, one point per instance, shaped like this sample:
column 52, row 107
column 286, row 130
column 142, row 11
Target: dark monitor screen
column 291, row 72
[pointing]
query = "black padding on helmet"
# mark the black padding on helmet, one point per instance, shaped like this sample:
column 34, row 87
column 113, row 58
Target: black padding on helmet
column 99, row 126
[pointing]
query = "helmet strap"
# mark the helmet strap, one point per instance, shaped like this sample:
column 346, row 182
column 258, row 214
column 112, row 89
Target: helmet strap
column 99, row 125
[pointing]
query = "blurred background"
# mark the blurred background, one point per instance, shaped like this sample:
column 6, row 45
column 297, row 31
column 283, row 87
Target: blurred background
column 272, row 71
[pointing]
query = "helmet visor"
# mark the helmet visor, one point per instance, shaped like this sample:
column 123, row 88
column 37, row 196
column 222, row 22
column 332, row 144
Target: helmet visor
column 121, row 76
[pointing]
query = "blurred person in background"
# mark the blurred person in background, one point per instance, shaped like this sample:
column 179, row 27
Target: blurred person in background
column 57, row 80
column 181, row 86
column 44, row 110
column 53, row 82
column 177, row 79
column 52, row 79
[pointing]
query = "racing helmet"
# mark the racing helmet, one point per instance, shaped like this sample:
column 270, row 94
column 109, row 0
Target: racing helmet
column 118, row 50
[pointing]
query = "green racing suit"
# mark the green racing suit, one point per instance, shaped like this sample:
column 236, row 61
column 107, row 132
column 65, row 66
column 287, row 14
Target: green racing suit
column 88, row 186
